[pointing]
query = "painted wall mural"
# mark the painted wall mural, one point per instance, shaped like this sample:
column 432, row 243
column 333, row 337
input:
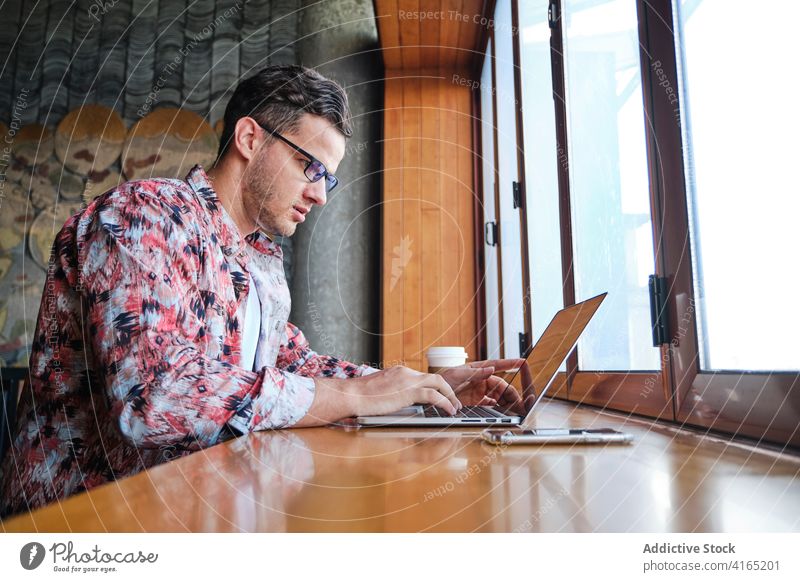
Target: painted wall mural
column 96, row 93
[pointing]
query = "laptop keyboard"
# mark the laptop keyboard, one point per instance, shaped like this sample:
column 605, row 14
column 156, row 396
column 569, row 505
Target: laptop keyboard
column 431, row 411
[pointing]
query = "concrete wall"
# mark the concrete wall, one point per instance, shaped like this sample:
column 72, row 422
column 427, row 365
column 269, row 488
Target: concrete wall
column 336, row 272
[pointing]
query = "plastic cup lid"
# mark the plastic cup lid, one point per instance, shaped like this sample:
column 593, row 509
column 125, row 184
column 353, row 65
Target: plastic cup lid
column 447, row 351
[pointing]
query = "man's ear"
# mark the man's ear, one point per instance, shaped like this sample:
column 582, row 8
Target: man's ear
column 247, row 137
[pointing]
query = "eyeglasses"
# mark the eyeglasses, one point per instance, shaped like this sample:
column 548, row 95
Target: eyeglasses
column 315, row 170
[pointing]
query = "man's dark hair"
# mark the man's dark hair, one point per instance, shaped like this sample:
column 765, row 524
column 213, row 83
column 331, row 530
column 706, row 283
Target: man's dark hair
column 278, row 96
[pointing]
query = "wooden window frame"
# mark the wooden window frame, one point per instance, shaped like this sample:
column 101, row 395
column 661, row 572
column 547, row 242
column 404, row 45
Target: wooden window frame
column 645, row 393
column 701, row 398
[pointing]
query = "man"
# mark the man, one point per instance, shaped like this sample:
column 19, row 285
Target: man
column 163, row 327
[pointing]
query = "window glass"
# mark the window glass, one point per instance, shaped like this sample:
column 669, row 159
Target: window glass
column 490, row 252
column 541, row 165
column 509, row 220
column 740, row 123
column 609, row 190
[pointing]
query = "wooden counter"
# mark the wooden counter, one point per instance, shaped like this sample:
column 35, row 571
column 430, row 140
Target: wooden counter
column 336, row 479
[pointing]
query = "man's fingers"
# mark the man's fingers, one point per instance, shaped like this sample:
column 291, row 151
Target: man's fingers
column 433, row 396
column 496, row 387
column 498, row 365
column 504, row 387
column 438, row 383
column 469, row 374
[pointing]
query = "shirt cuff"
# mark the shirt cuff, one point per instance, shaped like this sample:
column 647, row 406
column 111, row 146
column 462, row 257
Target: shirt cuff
column 283, row 400
column 367, row 370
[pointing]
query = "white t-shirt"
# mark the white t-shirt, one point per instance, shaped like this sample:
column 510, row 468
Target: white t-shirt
column 251, row 327
column 264, row 314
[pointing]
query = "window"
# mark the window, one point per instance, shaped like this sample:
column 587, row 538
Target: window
column 743, row 197
column 649, row 140
column 493, row 306
column 731, row 164
column 541, row 166
column 508, row 173
column 609, row 191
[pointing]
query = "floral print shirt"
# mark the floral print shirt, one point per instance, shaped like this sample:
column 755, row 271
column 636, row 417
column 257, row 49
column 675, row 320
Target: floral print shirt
column 137, row 343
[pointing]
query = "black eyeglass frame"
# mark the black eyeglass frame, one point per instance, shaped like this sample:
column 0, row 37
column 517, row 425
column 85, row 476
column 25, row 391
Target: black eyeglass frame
column 331, row 181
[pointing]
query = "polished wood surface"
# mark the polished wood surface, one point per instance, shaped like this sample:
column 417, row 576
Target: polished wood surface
column 428, row 288
column 416, row 33
column 337, row 479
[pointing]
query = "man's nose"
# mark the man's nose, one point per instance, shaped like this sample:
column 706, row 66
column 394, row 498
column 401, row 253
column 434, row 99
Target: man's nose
column 316, row 192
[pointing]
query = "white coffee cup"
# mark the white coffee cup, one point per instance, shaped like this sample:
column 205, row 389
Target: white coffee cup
column 441, row 357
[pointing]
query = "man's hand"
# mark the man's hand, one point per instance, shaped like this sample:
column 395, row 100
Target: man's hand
column 475, row 385
column 379, row 393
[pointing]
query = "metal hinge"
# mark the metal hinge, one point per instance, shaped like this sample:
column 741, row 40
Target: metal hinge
column 552, row 14
column 490, row 232
column 517, row 192
column 524, row 344
column 658, row 309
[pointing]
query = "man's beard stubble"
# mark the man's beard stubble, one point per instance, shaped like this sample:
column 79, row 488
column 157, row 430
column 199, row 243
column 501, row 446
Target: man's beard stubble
column 258, row 190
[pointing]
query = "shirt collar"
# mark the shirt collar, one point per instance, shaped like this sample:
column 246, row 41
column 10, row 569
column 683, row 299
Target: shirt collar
column 231, row 238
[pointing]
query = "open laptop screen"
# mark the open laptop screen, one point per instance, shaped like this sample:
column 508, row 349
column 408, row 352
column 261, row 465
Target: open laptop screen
column 545, row 358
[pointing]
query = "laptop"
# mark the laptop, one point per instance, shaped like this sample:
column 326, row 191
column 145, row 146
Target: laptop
column 543, row 360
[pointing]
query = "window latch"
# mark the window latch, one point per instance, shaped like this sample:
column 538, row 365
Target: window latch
column 552, row 14
column 490, row 233
column 517, row 193
column 658, row 309
column 524, row 344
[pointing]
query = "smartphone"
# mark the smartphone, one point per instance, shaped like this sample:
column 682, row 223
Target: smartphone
column 554, row 436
